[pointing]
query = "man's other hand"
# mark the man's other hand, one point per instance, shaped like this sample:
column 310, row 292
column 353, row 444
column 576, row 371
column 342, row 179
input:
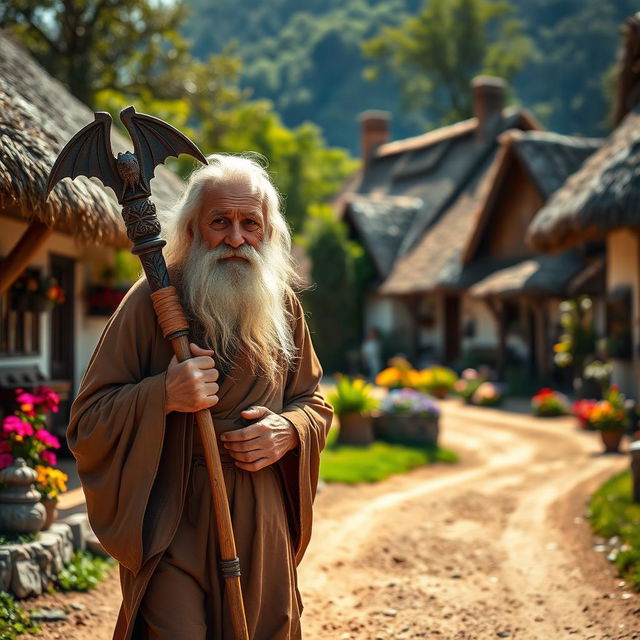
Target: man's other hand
column 191, row 385
column 261, row 443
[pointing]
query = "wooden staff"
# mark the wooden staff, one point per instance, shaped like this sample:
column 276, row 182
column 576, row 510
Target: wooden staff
column 89, row 153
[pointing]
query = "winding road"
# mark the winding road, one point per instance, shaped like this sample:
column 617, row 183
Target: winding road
column 495, row 547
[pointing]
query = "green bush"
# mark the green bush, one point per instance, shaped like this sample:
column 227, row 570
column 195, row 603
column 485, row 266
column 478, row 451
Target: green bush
column 14, row 620
column 352, row 395
column 613, row 513
column 84, row 572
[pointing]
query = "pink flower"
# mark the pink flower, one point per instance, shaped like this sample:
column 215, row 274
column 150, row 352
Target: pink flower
column 6, row 460
column 27, row 398
column 13, row 424
column 47, row 438
column 49, row 458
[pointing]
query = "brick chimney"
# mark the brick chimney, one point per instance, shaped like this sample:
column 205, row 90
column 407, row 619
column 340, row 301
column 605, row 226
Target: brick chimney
column 374, row 131
column 489, row 95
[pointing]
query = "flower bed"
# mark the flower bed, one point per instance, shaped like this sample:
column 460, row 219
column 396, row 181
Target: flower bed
column 407, row 417
column 548, row 403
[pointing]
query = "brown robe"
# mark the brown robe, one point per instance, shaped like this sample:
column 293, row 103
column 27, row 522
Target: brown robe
column 134, row 462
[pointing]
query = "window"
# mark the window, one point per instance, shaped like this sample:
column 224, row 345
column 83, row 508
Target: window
column 19, row 325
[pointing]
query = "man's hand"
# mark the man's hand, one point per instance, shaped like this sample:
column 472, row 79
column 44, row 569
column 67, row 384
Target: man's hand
column 261, row 443
column 191, row 385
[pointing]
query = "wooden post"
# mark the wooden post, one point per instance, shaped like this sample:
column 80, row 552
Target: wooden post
column 17, row 261
column 635, row 469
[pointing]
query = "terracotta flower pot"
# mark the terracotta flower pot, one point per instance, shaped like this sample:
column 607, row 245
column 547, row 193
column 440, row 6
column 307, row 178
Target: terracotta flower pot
column 51, row 509
column 355, row 428
column 611, row 440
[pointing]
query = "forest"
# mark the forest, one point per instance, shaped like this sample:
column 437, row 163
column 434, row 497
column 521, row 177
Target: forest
column 307, row 57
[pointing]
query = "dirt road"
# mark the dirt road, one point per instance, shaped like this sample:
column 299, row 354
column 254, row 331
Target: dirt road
column 495, row 547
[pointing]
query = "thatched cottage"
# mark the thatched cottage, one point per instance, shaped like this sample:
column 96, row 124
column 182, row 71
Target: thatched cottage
column 601, row 202
column 447, row 211
column 72, row 236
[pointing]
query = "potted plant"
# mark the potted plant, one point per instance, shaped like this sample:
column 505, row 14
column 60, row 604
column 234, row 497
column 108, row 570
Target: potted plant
column 468, row 383
column 581, row 409
column 409, row 417
column 548, row 403
column 24, row 435
column 437, row 381
column 609, row 416
column 488, row 394
column 51, row 483
column 353, row 402
column 35, row 292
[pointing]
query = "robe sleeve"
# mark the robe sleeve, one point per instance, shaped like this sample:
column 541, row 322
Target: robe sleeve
column 311, row 416
column 117, row 426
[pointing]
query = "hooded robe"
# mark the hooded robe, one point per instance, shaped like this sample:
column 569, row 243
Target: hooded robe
column 135, row 462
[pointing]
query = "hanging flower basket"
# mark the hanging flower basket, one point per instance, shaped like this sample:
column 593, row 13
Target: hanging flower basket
column 104, row 300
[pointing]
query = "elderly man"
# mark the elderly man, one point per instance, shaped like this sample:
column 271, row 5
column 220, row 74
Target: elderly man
column 138, row 451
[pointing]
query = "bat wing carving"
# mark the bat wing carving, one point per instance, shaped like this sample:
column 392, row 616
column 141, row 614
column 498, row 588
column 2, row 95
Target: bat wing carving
column 88, row 153
column 154, row 141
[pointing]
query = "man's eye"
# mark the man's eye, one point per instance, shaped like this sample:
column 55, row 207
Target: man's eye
column 218, row 221
column 252, row 224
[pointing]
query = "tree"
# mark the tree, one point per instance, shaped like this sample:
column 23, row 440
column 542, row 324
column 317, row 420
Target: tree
column 95, row 45
column 435, row 54
column 341, row 272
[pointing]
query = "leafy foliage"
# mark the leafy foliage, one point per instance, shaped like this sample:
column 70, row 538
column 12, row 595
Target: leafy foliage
column 352, row 395
column 435, row 54
column 339, row 273
column 84, row 572
column 17, row 538
column 14, row 620
column 93, row 45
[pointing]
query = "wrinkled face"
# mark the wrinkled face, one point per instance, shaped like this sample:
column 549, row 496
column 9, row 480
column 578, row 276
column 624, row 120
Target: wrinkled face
column 232, row 217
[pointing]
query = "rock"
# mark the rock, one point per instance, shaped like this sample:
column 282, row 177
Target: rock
column 5, row 569
column 503, row 634
column 25, row 574
column 78, row 524
column 48, row 615
column 456, row 576
column 390, row 613
column 65, row 537
column 77, row 606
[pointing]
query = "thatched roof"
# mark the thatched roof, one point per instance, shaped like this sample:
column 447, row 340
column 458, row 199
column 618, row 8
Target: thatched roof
column 382, row 224
column 604, row 194
column 37, row 118
column 546, row 275
column 550, row 158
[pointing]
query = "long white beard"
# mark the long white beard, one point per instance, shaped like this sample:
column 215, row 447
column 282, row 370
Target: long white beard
column 240, row 305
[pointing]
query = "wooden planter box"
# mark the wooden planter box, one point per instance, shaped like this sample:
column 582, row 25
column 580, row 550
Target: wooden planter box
column 410, row 430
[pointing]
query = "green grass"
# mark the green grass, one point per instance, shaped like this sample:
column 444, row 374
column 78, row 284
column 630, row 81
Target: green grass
column 17, row 538
column 613, row 513
column 351, row 465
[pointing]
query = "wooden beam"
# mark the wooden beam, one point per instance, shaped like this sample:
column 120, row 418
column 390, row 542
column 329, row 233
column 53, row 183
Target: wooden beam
column 35, row 235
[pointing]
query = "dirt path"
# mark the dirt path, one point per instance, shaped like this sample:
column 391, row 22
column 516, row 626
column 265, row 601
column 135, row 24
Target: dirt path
column 495, row 547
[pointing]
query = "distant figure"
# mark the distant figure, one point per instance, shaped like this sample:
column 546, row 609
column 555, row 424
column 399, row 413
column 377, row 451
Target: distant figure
column 371, row 351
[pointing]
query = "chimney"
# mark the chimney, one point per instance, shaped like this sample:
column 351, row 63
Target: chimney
column 374, row 131
column 489, row 95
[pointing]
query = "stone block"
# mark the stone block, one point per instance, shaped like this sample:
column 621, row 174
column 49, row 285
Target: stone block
column 80, row 529
column 25, row 575
column 5, row 569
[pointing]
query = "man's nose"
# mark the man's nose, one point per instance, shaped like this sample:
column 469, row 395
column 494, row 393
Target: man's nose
column 234, row 238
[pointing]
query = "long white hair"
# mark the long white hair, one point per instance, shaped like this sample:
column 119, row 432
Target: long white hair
column 242, row 309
